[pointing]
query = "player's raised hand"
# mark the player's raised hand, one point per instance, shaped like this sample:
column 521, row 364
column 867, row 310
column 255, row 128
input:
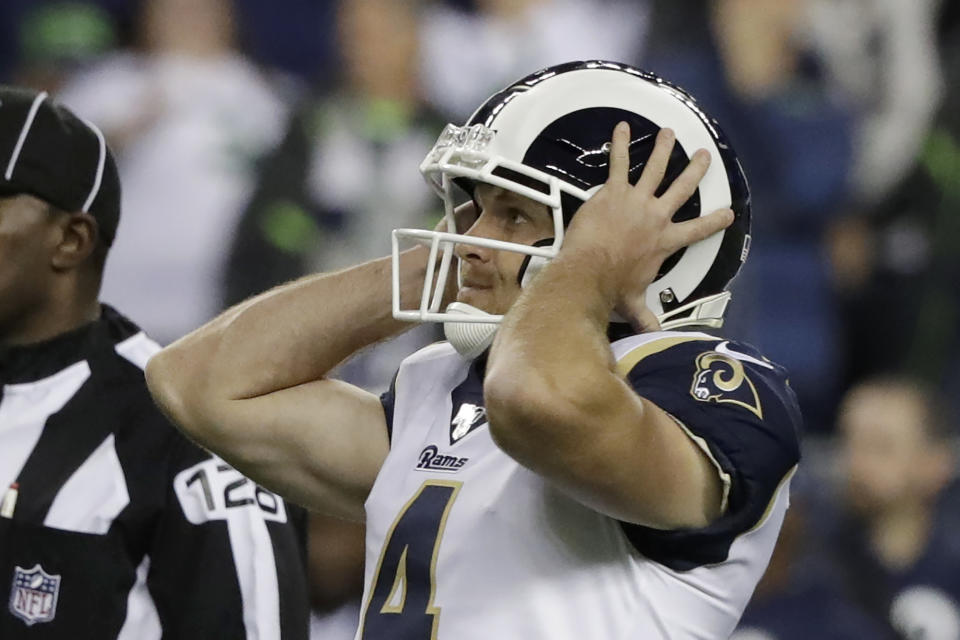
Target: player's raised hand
column 628, row 228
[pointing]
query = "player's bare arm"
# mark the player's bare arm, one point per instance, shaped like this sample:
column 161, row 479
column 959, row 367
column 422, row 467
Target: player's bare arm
column 555, row 401
column 251, row 386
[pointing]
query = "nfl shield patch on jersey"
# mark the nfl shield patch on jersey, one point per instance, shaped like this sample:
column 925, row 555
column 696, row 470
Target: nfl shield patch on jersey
column 468, row 418
column 33, row 595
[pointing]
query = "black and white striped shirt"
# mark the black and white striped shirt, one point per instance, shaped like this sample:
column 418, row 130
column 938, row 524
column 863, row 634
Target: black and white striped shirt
column 113, row 525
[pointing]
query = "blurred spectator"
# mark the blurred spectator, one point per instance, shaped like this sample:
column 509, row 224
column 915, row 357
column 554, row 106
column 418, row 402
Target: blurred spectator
column 337, row 550
column 57, row 38
column 883, row 55
column 896, row 546
column 898, row 264
column 798, row 597
column 41, row 31
column 294, row 35
column 187, row 115
column 745, row 62
column 468, row 55
column 346, row 172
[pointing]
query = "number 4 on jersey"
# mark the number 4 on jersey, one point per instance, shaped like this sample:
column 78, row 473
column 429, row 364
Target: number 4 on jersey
column 400, row 605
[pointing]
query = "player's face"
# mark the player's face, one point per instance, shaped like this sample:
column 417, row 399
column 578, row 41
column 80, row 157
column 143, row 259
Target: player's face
column 26, row 238
column 490, row 277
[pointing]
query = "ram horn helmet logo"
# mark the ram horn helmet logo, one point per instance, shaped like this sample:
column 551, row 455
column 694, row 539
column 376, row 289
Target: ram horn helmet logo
column 33, row 595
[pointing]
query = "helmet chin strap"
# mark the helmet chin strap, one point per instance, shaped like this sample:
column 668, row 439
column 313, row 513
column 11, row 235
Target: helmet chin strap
column 533, row 264
column 704, row 312
column 470, row 339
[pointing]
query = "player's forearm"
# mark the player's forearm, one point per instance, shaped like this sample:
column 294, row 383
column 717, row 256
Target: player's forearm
column 552, row 346
column 292, row 334
column 563, row 314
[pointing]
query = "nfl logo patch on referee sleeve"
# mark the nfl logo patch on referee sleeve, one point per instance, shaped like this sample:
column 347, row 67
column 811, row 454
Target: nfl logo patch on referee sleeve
column 33, row 595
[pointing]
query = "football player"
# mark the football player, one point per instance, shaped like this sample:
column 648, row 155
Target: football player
column 568, row 464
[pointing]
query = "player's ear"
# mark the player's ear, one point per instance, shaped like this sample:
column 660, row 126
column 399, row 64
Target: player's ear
column 76, row 241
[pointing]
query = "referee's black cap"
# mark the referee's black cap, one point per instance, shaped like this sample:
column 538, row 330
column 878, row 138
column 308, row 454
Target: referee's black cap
column 50, row 153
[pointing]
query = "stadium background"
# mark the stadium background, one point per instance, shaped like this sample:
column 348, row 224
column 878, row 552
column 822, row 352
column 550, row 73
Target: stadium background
column 260, row 140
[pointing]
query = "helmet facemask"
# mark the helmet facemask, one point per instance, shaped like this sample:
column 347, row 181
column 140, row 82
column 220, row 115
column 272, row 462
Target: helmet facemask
column 460, row 153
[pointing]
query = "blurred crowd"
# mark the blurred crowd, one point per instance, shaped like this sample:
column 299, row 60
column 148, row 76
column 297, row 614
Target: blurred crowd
column 258, row 141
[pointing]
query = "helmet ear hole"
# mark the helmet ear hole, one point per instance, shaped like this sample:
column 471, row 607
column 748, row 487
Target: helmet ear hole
column 568, row 206
column 532, row 264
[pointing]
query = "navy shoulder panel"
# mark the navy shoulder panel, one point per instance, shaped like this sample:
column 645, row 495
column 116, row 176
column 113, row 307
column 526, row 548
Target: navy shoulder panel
column 740, row 405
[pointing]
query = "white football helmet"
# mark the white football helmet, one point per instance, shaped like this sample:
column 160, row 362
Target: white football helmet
column 546, row 137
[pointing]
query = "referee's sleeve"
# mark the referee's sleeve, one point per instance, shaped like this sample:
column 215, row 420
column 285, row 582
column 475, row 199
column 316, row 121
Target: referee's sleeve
column 226, row 554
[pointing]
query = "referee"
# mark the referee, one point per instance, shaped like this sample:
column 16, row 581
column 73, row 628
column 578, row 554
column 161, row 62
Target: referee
column 112, row 525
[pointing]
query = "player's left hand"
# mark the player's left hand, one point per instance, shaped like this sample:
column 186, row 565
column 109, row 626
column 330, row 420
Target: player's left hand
column 627, row 229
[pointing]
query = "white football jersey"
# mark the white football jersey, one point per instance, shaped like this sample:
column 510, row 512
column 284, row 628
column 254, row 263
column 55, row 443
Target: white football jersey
column 464, row 543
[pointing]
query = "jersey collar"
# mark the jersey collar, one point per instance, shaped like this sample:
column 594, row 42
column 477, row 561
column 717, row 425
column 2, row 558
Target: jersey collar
column 30, row 362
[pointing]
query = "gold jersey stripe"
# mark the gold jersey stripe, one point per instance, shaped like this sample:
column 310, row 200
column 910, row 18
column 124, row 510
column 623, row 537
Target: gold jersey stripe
column 635, row 355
